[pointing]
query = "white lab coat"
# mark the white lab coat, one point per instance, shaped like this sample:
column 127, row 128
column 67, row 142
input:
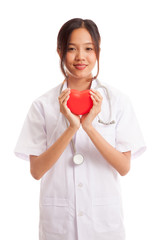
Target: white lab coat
column 80, row 202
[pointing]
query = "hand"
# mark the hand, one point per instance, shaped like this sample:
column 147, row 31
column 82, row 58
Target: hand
column 87, row 119
column 73, row 119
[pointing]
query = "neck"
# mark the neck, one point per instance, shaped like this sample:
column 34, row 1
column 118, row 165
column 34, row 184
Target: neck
column 79, row 84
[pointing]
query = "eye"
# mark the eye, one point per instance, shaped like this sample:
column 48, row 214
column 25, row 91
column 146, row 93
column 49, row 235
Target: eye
column 89, row 49
column 71, row 49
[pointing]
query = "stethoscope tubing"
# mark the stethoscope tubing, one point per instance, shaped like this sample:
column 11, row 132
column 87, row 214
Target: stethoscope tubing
column 75, row 154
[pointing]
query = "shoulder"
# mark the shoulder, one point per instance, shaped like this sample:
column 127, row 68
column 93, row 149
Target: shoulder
column 50, row 95
column 116, row 96
column 49, row 98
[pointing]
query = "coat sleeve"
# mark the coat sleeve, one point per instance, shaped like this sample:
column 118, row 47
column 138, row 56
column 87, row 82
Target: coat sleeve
column 128, row 133
column 32, row 139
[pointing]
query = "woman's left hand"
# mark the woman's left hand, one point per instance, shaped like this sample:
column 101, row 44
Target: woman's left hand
column 87, row 119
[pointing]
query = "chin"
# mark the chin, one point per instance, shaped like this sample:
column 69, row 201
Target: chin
column 80, row 76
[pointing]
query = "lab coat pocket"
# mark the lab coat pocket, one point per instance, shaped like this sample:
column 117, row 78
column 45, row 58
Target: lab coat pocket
column 107, row 214
column 54, row 215
column 107, row 132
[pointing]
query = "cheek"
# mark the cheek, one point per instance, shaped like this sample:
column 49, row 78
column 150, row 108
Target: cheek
column 92, row 59
column 69, row 58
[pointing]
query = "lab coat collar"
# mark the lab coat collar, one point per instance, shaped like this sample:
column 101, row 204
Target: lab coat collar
column 94, row 84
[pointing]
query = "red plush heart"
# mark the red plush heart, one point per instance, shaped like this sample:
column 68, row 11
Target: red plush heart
column 80, row 102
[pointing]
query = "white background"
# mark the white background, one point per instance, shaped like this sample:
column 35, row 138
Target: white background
column 29, row 66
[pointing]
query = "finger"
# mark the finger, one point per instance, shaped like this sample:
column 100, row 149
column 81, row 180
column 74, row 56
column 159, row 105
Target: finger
column 93, row 91
column 65, row 96
column 63, row 93
column 95, row 100
column 65, row 100
column 62, row 99
column 97, row 97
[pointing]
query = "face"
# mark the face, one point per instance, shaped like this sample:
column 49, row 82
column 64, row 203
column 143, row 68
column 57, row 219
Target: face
column 81, row 57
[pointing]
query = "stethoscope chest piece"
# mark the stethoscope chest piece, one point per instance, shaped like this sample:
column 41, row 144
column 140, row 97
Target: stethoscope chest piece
column 78, row 159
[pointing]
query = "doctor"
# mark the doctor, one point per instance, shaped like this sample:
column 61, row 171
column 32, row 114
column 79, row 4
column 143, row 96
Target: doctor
column 80, row 202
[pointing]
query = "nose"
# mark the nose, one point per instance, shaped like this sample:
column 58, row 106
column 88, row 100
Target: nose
column 80, row 55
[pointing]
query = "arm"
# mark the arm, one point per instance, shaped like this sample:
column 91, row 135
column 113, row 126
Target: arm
column 120, row 161
column 39, row 165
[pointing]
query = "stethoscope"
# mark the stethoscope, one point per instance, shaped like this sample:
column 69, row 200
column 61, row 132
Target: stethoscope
column 78, row 157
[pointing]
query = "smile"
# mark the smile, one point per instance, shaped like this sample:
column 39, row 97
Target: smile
column 80, row 66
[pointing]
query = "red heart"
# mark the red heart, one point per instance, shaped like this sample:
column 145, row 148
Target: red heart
column 80, row 102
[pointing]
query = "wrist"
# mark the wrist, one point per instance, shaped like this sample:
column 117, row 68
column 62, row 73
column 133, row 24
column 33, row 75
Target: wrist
column 87, row 127
column 73, row 128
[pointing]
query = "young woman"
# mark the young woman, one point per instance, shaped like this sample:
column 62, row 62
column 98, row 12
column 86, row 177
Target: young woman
column 80, row 201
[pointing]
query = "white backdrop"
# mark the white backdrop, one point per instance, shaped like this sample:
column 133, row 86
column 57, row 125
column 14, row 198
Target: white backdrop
column 29, row 66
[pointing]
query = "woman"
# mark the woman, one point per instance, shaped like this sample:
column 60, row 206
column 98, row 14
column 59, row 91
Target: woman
column 80, row 202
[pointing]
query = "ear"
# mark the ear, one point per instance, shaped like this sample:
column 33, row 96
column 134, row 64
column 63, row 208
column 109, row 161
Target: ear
column 59, row 53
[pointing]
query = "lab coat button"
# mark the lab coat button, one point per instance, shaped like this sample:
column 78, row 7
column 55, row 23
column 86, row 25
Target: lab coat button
column 80, row 214
column 80, row 185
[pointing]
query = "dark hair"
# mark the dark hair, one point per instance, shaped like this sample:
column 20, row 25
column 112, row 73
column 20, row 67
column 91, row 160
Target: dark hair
column 67, row 29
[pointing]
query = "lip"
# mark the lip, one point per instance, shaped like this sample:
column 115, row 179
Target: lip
column 80, row 66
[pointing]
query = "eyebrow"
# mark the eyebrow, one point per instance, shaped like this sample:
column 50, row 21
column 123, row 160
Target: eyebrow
column 82, row 44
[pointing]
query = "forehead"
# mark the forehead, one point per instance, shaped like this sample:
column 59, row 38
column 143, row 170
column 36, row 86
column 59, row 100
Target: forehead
column 80, row 36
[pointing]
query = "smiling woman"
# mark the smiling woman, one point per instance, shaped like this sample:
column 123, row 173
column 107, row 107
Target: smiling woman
column 80, row 192
column 85, row 39
column 80, row 58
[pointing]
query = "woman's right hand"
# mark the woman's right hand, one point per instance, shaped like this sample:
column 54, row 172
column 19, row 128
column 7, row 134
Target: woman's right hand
column 73, row 119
